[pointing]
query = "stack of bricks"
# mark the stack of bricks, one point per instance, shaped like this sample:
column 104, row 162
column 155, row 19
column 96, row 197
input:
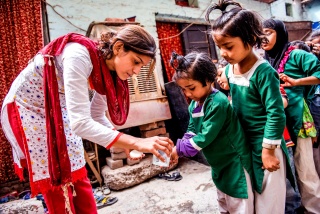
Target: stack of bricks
column 154, row 129
column 118, row 155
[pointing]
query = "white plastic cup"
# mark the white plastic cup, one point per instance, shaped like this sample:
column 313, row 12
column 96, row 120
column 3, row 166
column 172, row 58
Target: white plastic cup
column 158, row 162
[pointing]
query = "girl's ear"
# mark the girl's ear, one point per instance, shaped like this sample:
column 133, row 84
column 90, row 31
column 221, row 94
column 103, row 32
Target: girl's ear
column 117, row 47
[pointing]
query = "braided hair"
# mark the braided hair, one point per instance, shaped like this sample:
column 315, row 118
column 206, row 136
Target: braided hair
column 237, row 22
column 195, row 65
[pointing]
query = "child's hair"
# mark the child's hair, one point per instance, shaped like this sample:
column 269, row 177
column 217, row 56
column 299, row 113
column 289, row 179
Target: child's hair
column 237, row 22
column 196, row 66
column 134, row 38
column 300, row 45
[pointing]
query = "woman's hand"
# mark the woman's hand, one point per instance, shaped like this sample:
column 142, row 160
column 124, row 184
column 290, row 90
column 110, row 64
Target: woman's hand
column 269, row 160
column 153, row 144
column 288, row 81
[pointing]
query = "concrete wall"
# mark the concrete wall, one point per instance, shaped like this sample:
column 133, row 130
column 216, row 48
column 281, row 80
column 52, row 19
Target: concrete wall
column 278, row 10
column 82, row 12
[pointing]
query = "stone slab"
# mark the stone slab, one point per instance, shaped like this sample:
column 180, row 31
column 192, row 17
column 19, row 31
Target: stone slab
column 32, row 205
column 128, row 176
column 195, row 193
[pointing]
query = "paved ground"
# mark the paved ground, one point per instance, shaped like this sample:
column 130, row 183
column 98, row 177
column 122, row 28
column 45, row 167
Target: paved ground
column 195, row 193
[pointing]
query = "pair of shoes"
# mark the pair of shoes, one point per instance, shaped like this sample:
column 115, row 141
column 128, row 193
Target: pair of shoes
column 174, row 177
column 104, row 190
column 106, row 201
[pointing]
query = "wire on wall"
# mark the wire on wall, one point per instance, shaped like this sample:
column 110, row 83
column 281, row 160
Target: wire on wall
column 53, row 8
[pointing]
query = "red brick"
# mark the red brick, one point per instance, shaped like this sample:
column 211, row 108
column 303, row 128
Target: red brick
column 114, row 164
column 118, row 156
column 154, row 132
column 148, row 126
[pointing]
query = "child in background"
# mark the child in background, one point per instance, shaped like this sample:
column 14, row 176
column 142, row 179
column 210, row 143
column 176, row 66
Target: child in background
column 314, row 45
column 220, row 68
column 256, row 98
column 215, row 129
column 300, row 72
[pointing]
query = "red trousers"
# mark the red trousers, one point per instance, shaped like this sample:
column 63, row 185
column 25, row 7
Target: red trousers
column 83, row 203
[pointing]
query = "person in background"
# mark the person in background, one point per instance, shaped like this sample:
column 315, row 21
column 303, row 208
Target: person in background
column 47, row 112
column 220, row 68
column 297, row 69
column 215, row 129
column 256, row 99
column 314, row 44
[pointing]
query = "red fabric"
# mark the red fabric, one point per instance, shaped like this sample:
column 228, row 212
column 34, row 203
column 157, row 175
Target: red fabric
column 166, row 30
column 21, row 38
column 83, row 202
column 115, row 140
column 101, row 79
column 43, row 186
column 15, row 123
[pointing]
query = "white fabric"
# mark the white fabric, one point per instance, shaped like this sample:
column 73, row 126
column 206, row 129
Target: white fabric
column 273, row 196
column 243, row 79
column 273, row 142
column 228, row 204
column 81, row 118
column 308, row 178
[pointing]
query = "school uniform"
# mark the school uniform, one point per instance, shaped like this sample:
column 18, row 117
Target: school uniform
column 257, row 101
column 302, row 64
column 216, row 130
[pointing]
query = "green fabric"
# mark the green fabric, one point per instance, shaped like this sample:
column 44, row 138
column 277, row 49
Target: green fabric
column 260, row 110
column 219, row 134
column 299, row 65
column 308, row 129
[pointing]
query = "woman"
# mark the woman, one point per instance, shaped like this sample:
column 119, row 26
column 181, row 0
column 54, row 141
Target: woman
column 47, row 112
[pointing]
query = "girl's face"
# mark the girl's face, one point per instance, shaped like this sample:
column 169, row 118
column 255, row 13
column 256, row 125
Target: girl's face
column 127, row 63
column 271, row 35
column 232, row 49
column 194, row 89
column 222, row 79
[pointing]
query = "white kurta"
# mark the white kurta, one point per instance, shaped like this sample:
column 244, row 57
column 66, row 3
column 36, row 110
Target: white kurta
column 81, row 118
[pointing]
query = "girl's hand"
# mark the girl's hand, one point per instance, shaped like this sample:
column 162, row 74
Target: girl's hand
column 269, row 160
column 174, row 157
column 288, row 81
column 153, row 144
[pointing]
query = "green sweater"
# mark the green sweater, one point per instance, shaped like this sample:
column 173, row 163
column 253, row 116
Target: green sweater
column 258, row 103
column 299, row 65
column 221, row 137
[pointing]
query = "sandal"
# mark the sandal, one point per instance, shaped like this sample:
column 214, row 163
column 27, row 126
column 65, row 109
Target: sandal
column 107, row 201
column 164, row 176
column 175, row 177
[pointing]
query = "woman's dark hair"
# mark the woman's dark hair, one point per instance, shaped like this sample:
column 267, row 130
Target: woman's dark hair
column 134, row 38
column 196, row 66
column 237, row 22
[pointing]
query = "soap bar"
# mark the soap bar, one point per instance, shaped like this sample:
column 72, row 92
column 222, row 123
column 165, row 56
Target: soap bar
column 136, row 154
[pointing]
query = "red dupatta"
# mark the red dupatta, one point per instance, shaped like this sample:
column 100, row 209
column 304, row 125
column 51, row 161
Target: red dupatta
column 117, row 93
